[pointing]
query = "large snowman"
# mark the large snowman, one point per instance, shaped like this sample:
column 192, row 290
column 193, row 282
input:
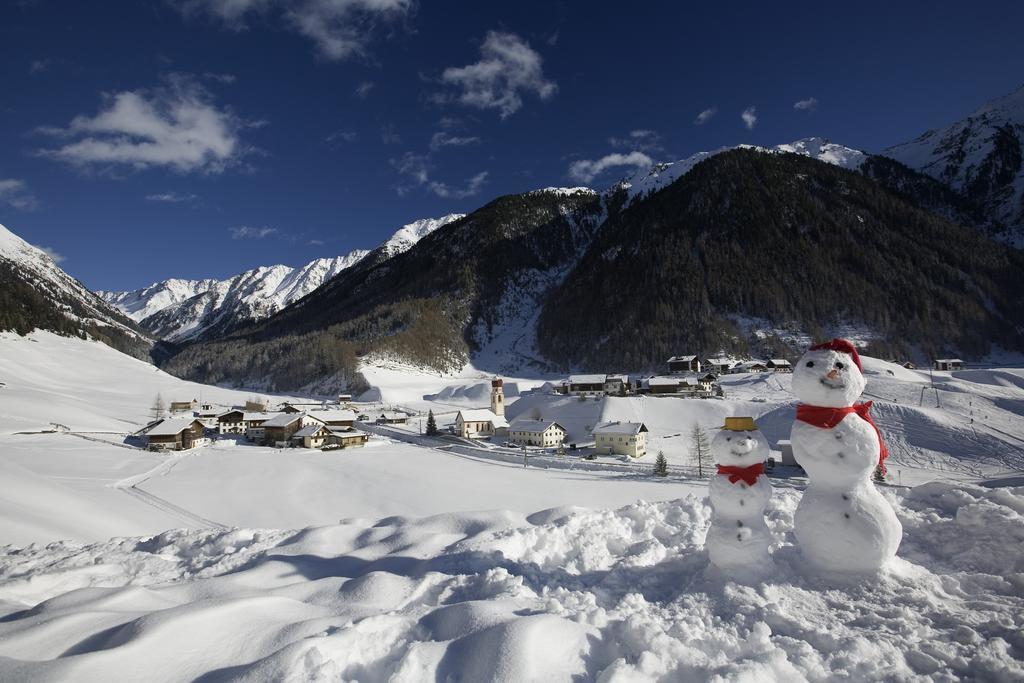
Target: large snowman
column 842, row 524
column 738, row 539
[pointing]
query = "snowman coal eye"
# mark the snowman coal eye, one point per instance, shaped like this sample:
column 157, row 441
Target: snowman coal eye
column 810, row 363
column 728, row 438
column 839, row 365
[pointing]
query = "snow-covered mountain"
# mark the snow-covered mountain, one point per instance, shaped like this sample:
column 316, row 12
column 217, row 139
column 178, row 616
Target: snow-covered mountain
column 35, row 293
column 981, row 156
column 181, row 310
column 408, row 235
column 664, row 174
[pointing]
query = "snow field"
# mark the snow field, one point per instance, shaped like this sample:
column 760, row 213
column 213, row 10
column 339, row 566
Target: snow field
column 609, row 595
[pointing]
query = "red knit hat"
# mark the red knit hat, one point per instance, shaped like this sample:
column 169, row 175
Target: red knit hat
column 842, row 346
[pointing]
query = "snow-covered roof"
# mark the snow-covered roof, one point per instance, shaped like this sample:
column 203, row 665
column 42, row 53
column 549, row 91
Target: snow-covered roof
column 251, row 416
column 172, row 426
column 334, row 415
column 620, row 428
column 481, row 415
column 681, row 359
column 283, row 420
column 394, row 415
column 617, row 378
column 779, row 361
column 664, row 381
column 534, row 426
column 586, row 379
column 948, row 360
column 728, row 362
column 309, row 430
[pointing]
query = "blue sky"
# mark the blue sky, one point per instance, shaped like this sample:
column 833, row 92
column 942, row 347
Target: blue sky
column 198, row 138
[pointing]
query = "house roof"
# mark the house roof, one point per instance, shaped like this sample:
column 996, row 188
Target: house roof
column 394, row 415
column 681, row 359
column 172, row 426
column 948, row 360
column 720, row 361
column 664, row 381
column 534, row 426
column 309, row 430
column 620, row 428
column 779, row 361
column 334, row 415
column 586, row 379
column 481, row 415
column 283, row 419
column 617, row 378
column 248, row 417
column 231, row 412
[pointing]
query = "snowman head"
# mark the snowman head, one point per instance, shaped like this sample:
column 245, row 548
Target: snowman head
column 829, row 375
column 739, row 443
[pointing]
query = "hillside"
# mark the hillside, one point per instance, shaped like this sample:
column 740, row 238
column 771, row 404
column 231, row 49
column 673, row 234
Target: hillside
column 783, row 238
column 36, row 294
column 982, row 157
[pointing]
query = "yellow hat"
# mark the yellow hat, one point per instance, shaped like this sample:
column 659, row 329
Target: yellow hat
column 740, row 424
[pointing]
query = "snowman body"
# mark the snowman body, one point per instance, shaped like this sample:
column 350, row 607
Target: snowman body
column 738, row 540
column 842, row 524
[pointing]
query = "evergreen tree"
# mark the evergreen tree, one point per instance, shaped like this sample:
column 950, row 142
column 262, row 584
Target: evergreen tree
column 700, row 448
column 661, row 465
column 431, row 424
column 159, row 408
column 879, row 475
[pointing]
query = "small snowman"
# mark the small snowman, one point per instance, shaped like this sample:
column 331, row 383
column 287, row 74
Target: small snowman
column 738, row 539
column 842, row 524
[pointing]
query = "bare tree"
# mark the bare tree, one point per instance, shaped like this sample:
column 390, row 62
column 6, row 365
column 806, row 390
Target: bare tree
column 700, row 448
column 159, row 407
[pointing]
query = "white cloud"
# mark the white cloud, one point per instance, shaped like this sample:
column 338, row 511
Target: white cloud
column 362, row 90
column 389, row 134
column 339, row 28
column 705, row 116
column 226, row 79
column 245, row 232
column 15, row 193
column 507, row 69
column 442, row 139
column 38, row 66
column 315, row 243
column 340, row 136
column 810, row 104
column 176, row 126
column 749, row 117
column 585, row 170
column 171, row 197
column 641, row 139
column 54, row 255
column 418, row 169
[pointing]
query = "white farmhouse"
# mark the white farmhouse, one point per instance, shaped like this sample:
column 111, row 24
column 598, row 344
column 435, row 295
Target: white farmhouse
column 479, row 422
column 586, row 385
column 621, row 438
column 524, row 432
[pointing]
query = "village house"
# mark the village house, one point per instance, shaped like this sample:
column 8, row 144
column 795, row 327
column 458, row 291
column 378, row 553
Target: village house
column 184, row 406
column 175, row 434
column 615, row 385
column 314, row 435
column 751, row 366
column 256, row 406
column 335, row 418
column 344, row 398
column 231, row 422
column 254, row 425
column 948, row 364
column 621, row 438
column 779, row 365
column 682, row 364
column 586, row 385
column 347, row 437
column 707, row 383
column 719, row 366
column 663, row 385
column 278, row 430
column 392, row 418
column 210, row 417
column 479, row 422
column 524, row 432
column 909, row 366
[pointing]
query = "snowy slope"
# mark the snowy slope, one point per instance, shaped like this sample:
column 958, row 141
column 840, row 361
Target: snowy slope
column 664, row 174
column 82, row 310
column 980, row 156
column 139, row 304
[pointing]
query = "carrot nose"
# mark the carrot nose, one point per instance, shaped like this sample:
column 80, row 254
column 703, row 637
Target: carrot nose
column 832, row 374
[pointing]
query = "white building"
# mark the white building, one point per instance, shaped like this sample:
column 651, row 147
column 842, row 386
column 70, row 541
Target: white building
column 621, row 438
column 616, row 384
column 479, row 422
column 949, row 364
column 719, row 366
column 547, row 433
column 682, row 364
column 779, row 365
column 586, row 385
column 497, row 397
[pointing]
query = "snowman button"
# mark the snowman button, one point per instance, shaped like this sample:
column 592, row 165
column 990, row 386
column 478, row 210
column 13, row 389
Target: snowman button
column 846, row 497
column 742, row 502
column 846, row 514
column 739, row 523
column 840, row 455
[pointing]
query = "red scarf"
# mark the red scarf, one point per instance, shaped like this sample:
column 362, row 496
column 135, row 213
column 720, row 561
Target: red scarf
column 827, row 418
column 747, row 474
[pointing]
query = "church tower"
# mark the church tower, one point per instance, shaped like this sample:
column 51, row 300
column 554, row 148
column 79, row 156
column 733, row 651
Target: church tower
column 497, row 397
